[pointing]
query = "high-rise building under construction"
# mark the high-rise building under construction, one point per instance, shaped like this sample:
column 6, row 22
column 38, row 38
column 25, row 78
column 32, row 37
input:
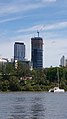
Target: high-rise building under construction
column 37, row 52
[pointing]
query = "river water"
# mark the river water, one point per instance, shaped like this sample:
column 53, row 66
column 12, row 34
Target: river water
column 33, row 105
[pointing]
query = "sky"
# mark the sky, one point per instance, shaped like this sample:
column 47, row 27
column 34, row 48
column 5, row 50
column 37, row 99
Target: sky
column 20, row 20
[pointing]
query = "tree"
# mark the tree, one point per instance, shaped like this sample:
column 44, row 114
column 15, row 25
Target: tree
column 14, row 84
column 5, row 85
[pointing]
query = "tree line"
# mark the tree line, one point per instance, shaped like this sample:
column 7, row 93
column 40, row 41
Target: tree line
column 24, row 79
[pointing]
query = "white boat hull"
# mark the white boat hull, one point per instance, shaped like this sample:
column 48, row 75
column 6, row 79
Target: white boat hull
column 56, row 89
column 59, row 90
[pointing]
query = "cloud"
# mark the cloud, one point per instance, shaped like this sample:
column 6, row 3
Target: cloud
column 22, row 6
column 15, row 18
column 31, row 29
column 17, row 7
column 40, row 27
column 48, row 0
column 10, row 19
column 58, row 25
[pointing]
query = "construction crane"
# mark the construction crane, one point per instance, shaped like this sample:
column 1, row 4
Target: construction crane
column 38, row 33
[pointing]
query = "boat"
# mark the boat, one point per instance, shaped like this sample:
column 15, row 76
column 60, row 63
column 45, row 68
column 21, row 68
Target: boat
column 57, row 89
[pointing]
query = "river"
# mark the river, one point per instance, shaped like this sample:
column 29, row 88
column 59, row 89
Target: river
column 33, row 105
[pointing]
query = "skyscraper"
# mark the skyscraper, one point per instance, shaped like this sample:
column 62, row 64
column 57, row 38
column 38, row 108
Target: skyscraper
column 37, row 52
column 19, row 51
column 62, row 61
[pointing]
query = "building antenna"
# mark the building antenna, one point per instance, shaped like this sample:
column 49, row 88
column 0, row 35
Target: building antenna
column 38, row 33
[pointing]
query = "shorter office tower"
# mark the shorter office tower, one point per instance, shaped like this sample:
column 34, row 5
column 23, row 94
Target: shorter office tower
column 37, row 52
column 62, row 61
column 19, row 51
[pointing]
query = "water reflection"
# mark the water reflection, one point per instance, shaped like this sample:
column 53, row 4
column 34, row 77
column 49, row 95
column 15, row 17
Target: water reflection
column 33, row 105
column 37, row 108
column 29, row 108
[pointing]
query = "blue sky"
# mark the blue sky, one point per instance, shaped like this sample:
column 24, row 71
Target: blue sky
column 20, row 20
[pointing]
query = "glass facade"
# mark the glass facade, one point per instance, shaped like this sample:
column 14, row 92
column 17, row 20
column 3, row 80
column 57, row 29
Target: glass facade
column 19, row 51
column 37, row 52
